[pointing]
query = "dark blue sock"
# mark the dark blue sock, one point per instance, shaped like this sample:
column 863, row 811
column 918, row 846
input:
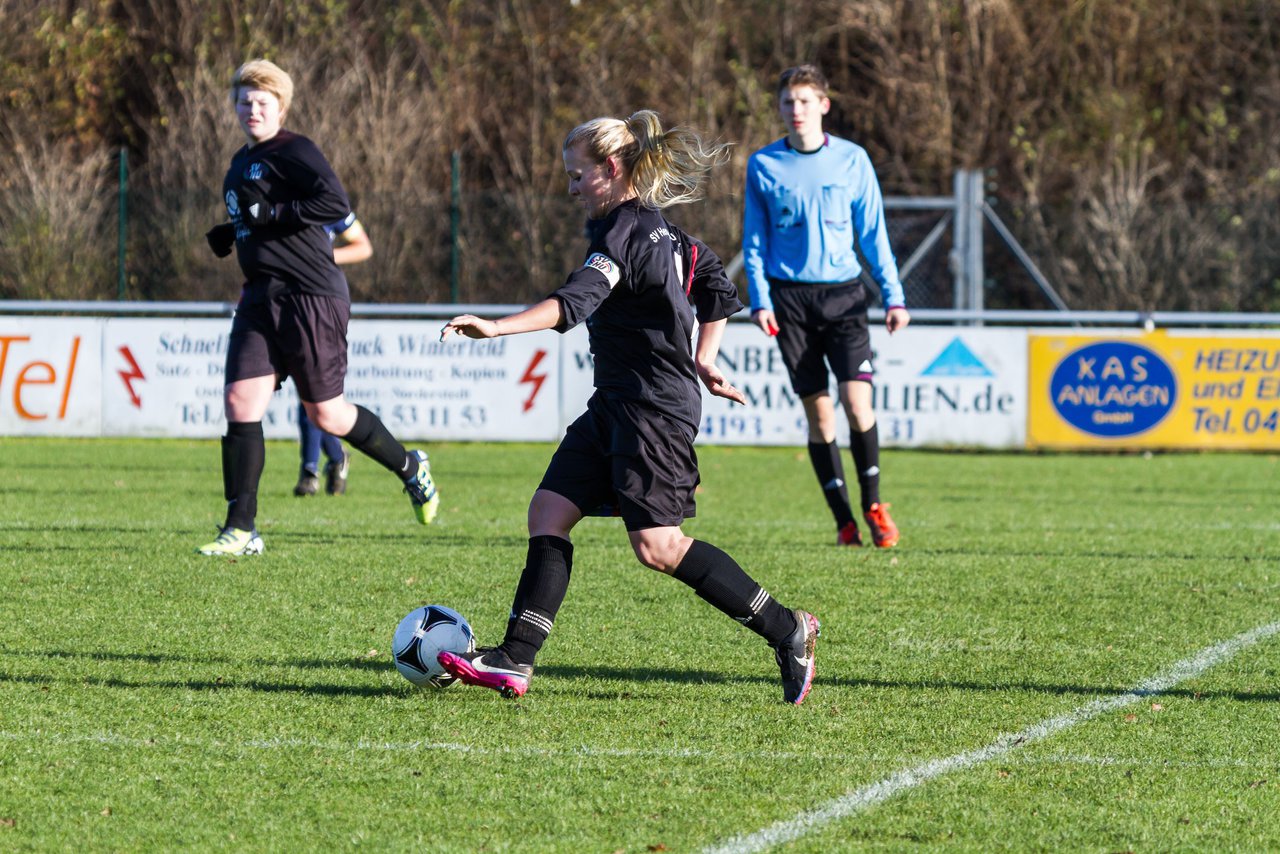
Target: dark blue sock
column 309, row 438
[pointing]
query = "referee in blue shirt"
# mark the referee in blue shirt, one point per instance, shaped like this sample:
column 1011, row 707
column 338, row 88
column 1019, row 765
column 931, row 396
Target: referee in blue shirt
column 809, row 197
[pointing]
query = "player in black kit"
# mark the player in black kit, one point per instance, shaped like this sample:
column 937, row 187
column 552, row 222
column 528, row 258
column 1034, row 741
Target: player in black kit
column 280, row 193
column 642, row 286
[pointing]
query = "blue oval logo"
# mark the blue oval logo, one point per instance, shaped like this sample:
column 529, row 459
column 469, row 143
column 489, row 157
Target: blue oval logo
column 1113, row 388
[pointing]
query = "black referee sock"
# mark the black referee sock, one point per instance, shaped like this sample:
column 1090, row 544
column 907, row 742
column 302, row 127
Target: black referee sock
column 538, row 597
column 718, row 579
column 243, row 453
column 825, row 457
column 866, row 457
column 372, row 438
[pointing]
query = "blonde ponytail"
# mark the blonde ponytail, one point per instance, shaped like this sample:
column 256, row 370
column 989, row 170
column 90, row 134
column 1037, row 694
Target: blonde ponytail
column 665, row 167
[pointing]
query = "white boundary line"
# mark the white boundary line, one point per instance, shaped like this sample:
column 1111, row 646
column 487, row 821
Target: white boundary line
column 909, row 778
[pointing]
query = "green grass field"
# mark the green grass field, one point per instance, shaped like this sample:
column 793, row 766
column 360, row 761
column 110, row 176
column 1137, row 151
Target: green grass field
column 152, row 699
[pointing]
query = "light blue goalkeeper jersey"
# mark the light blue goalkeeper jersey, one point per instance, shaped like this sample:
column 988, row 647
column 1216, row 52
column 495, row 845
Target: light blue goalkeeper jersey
column 803, row 214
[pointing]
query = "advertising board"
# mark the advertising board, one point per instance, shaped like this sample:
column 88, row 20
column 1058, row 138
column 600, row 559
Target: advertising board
column 1176, row 389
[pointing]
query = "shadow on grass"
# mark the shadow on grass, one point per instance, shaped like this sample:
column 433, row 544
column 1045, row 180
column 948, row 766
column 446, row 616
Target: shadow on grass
column 75, row 528
column 820, row 550
column 637, row 675
column 203, row 660
column 412, row 534
column 1005, row 554
column 103, row 463
column 1087, row 691
column 383, row 664
column 220, row 684
column 642, row 675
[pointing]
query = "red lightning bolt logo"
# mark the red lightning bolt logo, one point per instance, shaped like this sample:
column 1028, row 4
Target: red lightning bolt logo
column 535, row 379
column 134, row 373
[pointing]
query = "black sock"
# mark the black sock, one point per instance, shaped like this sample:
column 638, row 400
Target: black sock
column 866, row 458
column 538, row 596
column 718, row 579
column 371, row 437
column 825, row 457
column 243, row 453
column 228, row 468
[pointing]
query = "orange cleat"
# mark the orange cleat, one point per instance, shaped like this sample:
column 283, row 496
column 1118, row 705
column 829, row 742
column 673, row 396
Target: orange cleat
column 848, row 535
column 883, row 532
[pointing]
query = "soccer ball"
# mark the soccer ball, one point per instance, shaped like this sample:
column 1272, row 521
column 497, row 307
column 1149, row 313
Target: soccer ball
column 422, row 635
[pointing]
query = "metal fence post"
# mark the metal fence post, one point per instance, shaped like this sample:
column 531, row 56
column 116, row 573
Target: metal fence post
column 975, row 268
column 959, row 233
column 966, row 257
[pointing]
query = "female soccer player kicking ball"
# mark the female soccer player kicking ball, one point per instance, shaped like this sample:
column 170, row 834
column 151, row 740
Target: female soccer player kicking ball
column 642, row 284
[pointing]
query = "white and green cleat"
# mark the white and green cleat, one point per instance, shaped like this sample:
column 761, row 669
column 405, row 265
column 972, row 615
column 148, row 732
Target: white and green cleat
column 233, row 541
column 422, row 491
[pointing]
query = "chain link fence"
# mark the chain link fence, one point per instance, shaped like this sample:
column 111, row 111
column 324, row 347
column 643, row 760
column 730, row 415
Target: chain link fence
column 495, row 247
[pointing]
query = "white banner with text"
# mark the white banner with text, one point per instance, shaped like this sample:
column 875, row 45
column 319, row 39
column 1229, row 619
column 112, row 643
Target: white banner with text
column 934, row 387
column 92, row 376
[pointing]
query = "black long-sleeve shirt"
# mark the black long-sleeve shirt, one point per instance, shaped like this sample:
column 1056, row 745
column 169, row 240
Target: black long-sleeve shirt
column 639, row 289
column 293, row 252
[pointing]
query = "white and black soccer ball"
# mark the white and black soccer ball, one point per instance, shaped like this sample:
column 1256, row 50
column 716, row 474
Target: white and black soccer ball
column 422, row 635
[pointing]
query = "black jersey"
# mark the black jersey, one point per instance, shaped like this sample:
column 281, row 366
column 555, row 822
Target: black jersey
column 294, row 252
column 642, row 284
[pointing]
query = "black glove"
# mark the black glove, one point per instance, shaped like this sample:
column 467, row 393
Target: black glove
column 221, row 238
column 254, row 207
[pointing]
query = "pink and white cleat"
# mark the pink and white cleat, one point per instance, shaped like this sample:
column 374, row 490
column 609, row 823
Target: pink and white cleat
column 489, row 667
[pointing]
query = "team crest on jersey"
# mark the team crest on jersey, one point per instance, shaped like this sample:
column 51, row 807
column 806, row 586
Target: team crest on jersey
column 605, row 265
column 233, row 203
column 254, row 172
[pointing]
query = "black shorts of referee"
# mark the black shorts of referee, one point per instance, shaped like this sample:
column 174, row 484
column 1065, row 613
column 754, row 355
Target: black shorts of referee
column 821, row 324
column 629, row 455
column 303, row 336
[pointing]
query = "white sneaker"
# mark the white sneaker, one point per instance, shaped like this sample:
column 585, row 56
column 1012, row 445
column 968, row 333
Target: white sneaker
column 234, row 541
column 422, row 491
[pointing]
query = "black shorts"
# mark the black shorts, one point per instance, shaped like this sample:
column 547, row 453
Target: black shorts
column 821, row 324
column 630, row 456
column 303, row 336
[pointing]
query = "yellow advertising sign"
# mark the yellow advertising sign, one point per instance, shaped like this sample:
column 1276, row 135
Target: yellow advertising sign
column 1198, row 389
